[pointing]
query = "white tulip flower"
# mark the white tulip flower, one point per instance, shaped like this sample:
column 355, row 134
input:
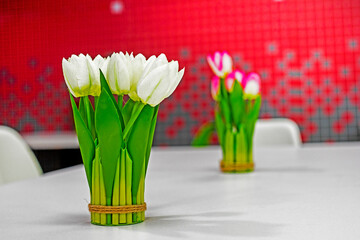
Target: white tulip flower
column 137, row 65
column 102, row 63
column 158, row 81
column 252, row 84
column 220, row 63
column 118, row 74
column 81, row 75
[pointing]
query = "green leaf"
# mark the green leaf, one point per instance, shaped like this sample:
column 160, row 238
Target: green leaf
column 236, row 103
column 138, row 107
column 151, row 137
column 203, row 135
column 83, row 111
column 127, row 110
column 229, row 146
column 108, row 128
column 86, row 144
column 105, row 87
column 87, row 113
column 241, row 146
column 253, row 109
column 137, row 144
column 224, row 104
column 220, row 128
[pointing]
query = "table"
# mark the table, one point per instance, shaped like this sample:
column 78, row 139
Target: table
column 307, row 193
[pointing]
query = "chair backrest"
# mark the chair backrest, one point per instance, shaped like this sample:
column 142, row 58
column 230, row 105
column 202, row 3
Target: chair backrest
column 17, row 161
column 277, row 131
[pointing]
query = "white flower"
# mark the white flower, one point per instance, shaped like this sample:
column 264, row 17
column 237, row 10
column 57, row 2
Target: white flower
column 158, row 80
column 220, row 63
column 102, row 63
column 118, row 74
column 137, row 65
column 124, row 71
column 252, row 84
column 81, row 75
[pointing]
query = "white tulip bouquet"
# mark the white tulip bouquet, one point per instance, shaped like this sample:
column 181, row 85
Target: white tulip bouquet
column 238, row 101
column 115, row 137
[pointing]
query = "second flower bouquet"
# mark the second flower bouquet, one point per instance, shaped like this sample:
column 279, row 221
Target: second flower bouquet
column 115, row 137
column 238, row 100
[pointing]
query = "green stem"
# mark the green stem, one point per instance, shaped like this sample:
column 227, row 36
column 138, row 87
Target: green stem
column 122, row 185
column 120, row 101
column 128, row 182
column 135, row 114
column 96, row 186
column 229, row 146
column 116, row 194
column 103, row 199
column 88, row 114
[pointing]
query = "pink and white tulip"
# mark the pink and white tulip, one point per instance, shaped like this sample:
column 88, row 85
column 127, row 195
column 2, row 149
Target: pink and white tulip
column 252, row 84
column 220, row 63
column 231, row 77
column 215, row 87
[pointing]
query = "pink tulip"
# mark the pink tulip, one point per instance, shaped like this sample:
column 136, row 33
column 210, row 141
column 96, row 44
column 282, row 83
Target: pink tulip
column 252, row 84
column 215, row 87
column 231, row 77
column 220, row 63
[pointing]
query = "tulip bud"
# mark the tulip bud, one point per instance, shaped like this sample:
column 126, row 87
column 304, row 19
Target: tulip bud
column 215, row 87
column 252, row 84
column 220, row 63
column 231, row 77
column 158, row 81
column 81, row 75
column 118, row 74
column 102, row 63
column 137, row 67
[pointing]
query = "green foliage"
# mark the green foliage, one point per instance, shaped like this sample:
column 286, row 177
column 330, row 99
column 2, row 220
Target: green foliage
column 87, row 112
column 87, row 146
column 137, row 144
column 203, row 135
column 236, row 103
column 109, row 132
column 235, row 118
column 151, row 137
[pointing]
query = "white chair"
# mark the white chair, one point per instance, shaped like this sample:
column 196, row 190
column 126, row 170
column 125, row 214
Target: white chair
column 17, row 161
column 277, row 131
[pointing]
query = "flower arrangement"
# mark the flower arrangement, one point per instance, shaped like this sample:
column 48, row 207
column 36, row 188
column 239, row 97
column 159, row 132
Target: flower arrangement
column 115, row 137
column 238, row 101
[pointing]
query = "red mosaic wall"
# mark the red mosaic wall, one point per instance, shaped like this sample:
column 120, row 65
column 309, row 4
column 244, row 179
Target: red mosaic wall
column 307, row 53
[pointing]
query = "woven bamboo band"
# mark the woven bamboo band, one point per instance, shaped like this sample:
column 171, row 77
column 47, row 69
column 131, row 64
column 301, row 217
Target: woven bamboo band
column 117, row 209
column 228, row 167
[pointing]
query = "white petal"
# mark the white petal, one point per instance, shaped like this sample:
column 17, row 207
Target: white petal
column 226, row 64
column 111, row 74
column 214, row 68
column 176, row 82
column 122, row 75
column 149, row 65
column 104, row 66
column 217, row 59
column 99, row 60
column 137, row 64
column 94, row 77
column 70, row 78
column 252, row 87
column 152, row 87
column 82, row 73
column 162, row 59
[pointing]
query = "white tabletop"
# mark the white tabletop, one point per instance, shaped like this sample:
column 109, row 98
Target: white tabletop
column 308, row 193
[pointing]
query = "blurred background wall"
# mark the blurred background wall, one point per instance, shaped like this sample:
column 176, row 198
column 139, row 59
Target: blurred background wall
column 307, row 52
